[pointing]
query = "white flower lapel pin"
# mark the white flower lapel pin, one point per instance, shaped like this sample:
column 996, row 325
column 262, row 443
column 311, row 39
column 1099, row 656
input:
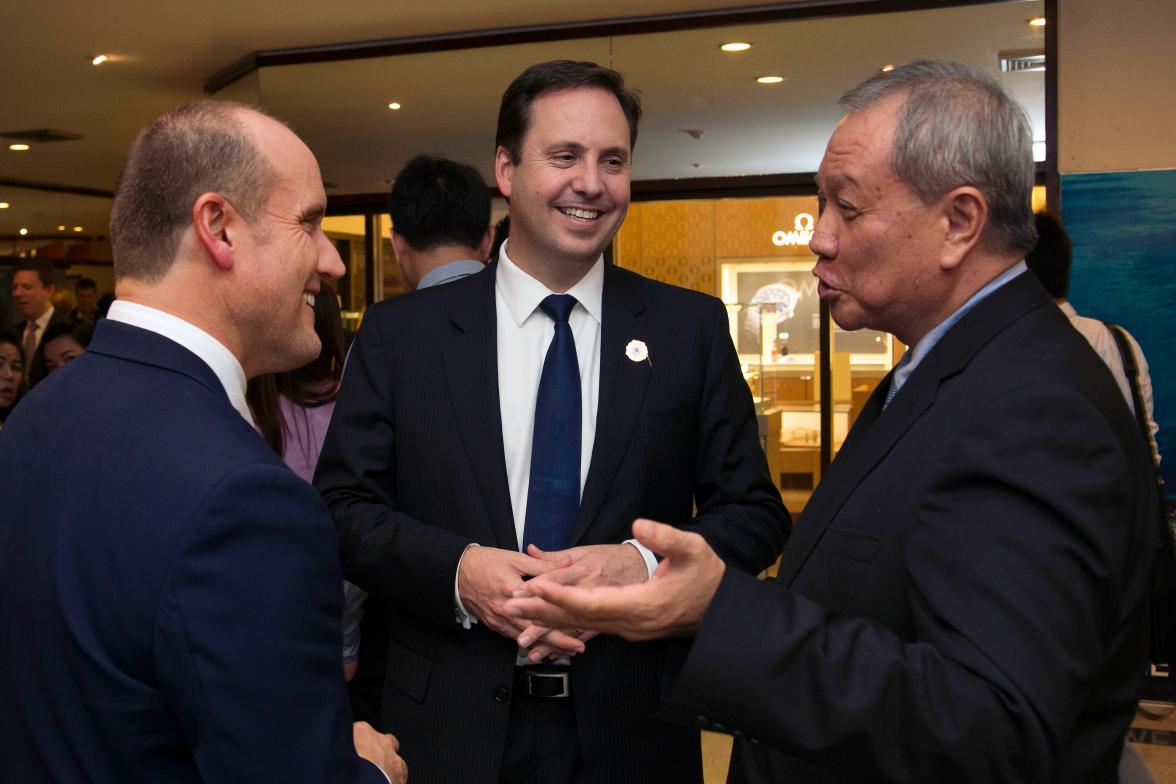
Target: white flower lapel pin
column 637, row 351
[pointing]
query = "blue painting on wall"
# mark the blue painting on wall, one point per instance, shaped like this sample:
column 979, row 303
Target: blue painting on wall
column 1123, row 225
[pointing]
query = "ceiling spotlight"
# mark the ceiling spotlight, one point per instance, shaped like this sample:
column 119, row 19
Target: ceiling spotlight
column 770, row 79
column 1037, row 21
column 4, row 205
column 98, row 59
column 18, row 147
column 394, row 106
column 735, row 46
column 78, row 228
column 61, row 228
column 23, row 231
column 888, row 68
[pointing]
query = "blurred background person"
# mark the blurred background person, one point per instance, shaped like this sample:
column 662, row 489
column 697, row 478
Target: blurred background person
column 440, row 221
column 292, row 411
column 11, row 372
column 1051, row 261
column 63, row 343
column 33, row 287
column 104, row 303
column 64, row 303
column 86, row 295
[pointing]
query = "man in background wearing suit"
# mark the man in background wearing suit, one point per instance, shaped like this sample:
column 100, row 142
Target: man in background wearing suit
column 440, row 212
column 965, row 595
column 548, row 400
column 33, row 286
column 175, row 617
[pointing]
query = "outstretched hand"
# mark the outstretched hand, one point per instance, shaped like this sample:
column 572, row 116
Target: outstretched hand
column 588, row 566
column 671, row 603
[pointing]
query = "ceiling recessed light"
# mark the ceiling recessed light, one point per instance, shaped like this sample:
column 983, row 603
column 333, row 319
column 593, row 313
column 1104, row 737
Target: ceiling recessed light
column 4, row 205
column 888, row 68
column 1037, row 21
column 61, row 228
column 735, row 46
column 77, row 228
column 18, row 147
column 770, row 79
column 394, row 106
column 23, row 231
column 98, row 59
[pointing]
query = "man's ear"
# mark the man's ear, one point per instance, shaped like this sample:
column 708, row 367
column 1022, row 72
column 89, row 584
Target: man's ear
column 966, row 215
column 486, row 244
column 503, row 170
column 213, row 218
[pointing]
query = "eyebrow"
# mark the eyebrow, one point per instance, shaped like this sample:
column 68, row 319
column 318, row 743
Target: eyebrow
column 577, row 147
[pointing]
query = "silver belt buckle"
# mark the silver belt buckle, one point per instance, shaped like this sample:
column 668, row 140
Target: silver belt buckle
column 550, row 681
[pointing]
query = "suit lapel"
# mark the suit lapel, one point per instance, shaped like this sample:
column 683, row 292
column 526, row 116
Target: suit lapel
column 471, row 370
column 877, row 431
column 622, row 389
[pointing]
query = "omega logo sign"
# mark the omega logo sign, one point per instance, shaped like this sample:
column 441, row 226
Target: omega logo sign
column 801, row 234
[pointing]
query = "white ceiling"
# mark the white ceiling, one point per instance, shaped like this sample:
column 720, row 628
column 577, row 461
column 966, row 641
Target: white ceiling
column 163, row 52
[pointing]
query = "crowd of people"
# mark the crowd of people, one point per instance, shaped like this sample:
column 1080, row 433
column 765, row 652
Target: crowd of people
column 540, row 508
column 52, row 329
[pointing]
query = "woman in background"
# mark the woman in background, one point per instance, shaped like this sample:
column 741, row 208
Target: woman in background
column 11, row 373
column 292, row 411
column 64, row 342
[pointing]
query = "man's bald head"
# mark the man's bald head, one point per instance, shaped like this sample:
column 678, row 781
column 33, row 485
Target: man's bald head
column 196, row 148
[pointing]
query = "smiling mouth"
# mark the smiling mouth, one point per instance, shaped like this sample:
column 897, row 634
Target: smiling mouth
column 582, row 214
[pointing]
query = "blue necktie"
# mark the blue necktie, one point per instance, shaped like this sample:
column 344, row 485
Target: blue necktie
column 553, row 495
column 894, row 383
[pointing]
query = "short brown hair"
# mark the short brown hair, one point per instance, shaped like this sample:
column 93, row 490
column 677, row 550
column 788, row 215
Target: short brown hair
column 514, row 113
column 43, row 269
column 196, row 148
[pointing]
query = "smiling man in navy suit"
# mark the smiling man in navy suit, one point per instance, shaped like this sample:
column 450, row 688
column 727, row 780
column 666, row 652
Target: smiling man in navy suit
column 965, row 598
column 513, row 424
column 175, row 616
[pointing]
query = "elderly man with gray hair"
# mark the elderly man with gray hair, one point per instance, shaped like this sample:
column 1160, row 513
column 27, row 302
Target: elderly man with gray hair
column 964, row 598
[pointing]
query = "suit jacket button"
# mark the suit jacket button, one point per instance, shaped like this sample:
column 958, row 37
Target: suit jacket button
column 702, row 722
column 501, row 694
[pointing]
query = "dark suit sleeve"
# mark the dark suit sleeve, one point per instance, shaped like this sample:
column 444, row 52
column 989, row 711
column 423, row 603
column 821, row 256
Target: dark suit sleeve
column 740, row 513
column 1025, row 580
column 383, row 550
column 247, row 636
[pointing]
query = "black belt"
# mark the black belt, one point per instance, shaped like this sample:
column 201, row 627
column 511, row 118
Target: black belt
column 543, row 682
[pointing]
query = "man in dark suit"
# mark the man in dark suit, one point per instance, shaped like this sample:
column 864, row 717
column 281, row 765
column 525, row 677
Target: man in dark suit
column 965, row 596
column 175, row 616
column 551, row 399
column 33, row 284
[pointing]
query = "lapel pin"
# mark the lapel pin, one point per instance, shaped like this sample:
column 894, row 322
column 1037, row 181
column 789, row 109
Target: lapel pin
column 637, row 351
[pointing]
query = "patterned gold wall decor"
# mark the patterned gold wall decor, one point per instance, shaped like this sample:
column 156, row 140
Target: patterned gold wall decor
column 679, row 241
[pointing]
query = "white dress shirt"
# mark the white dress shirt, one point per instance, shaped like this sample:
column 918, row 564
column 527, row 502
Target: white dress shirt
column 214, row 354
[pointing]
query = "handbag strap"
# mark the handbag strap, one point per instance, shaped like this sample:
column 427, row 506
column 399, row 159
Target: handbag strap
column 1131, row 367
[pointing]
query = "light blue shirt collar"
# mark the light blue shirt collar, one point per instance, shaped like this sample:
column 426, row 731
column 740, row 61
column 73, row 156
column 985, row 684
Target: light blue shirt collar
column 449, row 272
column 912, row 358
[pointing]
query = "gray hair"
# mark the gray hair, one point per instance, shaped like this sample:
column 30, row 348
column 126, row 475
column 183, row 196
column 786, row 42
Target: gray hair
column 195, row 148
column 959, row 127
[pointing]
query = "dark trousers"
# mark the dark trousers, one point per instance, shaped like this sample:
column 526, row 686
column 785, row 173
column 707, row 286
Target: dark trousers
column 542, row 746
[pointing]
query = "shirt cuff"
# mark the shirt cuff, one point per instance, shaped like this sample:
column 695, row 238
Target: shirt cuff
column 646, row 553
column 459, row 611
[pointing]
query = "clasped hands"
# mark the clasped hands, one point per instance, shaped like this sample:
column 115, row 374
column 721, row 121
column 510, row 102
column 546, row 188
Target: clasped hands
column 488, row 578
